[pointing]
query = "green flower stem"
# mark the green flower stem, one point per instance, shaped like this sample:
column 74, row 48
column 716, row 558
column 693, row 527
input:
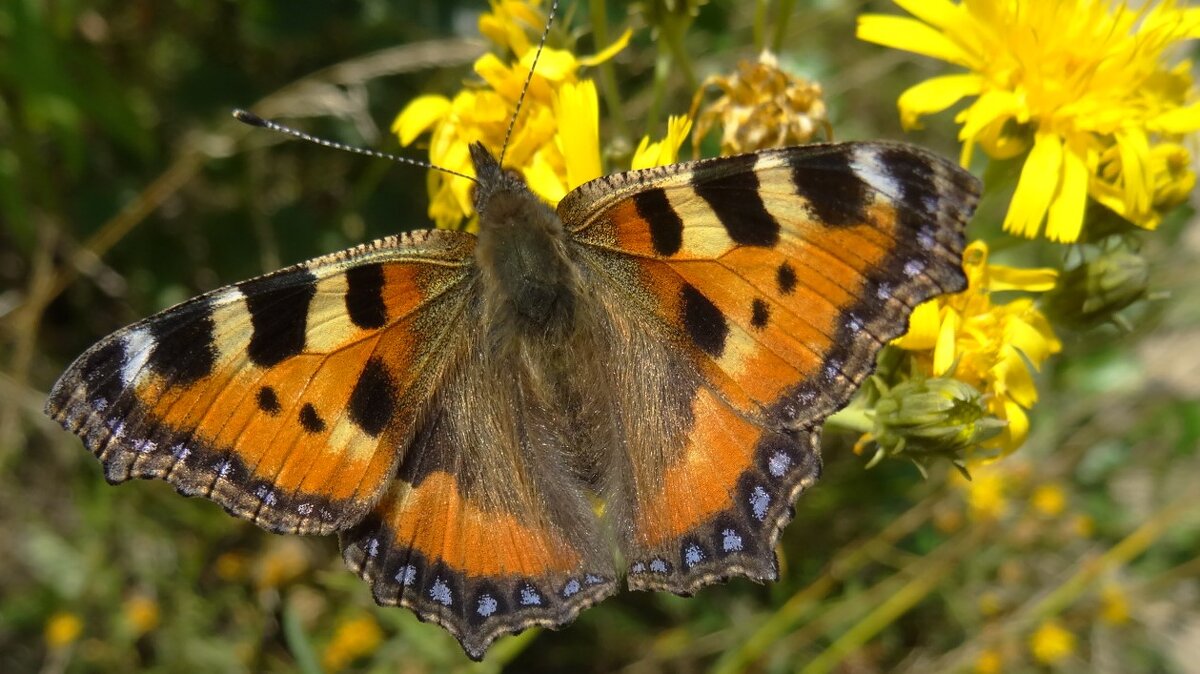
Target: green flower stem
column 760, row 25
column 608, row 75
column 1047, row 605
column 673, row 29
column 932, row 571
column 785, row 13
column 782, row 622
column 662, row 67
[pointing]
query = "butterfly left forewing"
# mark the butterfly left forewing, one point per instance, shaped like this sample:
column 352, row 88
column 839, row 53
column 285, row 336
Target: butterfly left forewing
column 779, row 275
column 287, row 398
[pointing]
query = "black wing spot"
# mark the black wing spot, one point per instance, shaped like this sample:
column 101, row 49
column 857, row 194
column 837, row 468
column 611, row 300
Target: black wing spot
column 364, row 296
column 184, row 346
column 735, row 199
column 278, row 307
column 785, row 277
column 310, row 420
column 918, row 185
column 268, row 401
column 705, row 323
column 760, row 313
column 666, row 229
column 830, row 184
column 373, row 401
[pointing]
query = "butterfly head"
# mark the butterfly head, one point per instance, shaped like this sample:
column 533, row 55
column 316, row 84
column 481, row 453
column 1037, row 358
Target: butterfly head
column 496, row 190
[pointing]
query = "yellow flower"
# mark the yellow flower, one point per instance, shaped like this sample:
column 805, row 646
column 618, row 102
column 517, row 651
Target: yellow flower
column 1114, row 605
column 62, row 629
column 989, row 662
column 1082, row 526
column 987, row 490
column 665, row 151
column 284, row 560
column 141, row 613
column 231, row 566
column 987, row 345
column 1049, row 499
column 990, row 603
column 1083, row 86
column 761, row 106
column 1051, row 643
column 554, row 141
column 352, row 640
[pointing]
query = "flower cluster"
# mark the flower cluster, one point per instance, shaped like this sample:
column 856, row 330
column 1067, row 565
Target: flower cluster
column 555, row 139
column 1084, row 96
column 1082, row 89
column 987, row 344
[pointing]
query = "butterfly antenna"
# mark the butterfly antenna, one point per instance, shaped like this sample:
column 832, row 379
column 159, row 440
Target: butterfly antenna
column 528, row 78
column 252, row 119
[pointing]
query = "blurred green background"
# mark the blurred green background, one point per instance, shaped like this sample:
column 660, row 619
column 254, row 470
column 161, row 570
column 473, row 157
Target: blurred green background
column 126, row 187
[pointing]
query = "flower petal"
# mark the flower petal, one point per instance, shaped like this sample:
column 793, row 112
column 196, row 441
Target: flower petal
column 1065, row 220
column 945, row 353
column 1134, row 148
column 910, row 35
column 555, row 65
column 992, row 107
column 1018, row 425
column 665, row 151
column 418, row 116
column 609, row 51
column 923, row 327
column 1036, row 186
column 578, row 134
column 937, row 13
column 1177, row 120
column 935, row 95
column 1003, row 278
column 544, row 180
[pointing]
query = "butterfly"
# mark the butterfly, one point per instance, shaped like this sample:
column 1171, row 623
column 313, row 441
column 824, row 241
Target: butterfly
column 490, row 421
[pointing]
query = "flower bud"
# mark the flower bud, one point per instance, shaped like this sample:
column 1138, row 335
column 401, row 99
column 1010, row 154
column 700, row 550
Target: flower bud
column 1096, row 290
column 921, row 419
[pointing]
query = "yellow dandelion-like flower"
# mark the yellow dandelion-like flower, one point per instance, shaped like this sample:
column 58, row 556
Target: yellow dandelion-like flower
column 141, row 613
column 62, row 629
column 1051, row 643
column 231, row 566
column 761, row 106
column 665, row 151
column 989, row 661
column 285, row 560
column 555, row 141
column 988, row 345
column 1114, row 605
column 352, row 640
column 1083, row 86
column 1049, row 499
column 1082, row 526
column 987, row 490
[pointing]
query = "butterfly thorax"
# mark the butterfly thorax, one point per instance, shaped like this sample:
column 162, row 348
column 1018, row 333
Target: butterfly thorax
column 521, row 253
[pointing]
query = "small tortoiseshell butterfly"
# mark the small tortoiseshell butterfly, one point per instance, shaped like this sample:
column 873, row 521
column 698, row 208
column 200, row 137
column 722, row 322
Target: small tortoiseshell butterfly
column 666, row 343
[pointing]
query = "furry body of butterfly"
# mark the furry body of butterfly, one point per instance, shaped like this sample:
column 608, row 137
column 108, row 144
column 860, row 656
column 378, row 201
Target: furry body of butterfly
column 666, row 342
